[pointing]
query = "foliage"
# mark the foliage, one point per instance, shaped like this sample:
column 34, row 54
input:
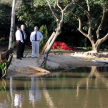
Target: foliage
column 38, row 13
column 43, row 30
column 95, row 12
column 3, row 43
column 5, row 11
column 34, row 15
column 6, row 2
column 3, row 67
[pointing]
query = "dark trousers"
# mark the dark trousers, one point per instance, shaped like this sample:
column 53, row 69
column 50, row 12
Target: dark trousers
column 22, row 50
column 19, row 48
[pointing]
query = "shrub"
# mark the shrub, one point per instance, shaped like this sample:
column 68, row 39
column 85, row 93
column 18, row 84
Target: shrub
column 44, row 31
column 4, row 43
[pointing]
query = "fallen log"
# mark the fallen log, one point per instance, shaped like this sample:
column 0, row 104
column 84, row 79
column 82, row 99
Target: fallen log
column 39, row 69
column 37, row 74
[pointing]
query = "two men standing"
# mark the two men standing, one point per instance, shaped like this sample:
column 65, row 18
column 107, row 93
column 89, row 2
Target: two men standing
column 20, row 41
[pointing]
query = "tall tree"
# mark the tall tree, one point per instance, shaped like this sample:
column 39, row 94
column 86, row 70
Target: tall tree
column 56, row 9
column 12, row 25
column 89, row 33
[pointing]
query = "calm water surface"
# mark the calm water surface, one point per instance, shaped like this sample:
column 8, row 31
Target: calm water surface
column 78, row 88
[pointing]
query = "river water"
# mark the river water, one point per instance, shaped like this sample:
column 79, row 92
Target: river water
column 77, row 88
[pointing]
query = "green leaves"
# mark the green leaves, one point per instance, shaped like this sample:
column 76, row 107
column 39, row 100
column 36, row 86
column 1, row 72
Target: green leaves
column 44, row 31
column 3, row 67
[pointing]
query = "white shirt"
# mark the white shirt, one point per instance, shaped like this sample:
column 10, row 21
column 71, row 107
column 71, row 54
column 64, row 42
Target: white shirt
column 18, row 35
column 25, row 36
column 39, row 36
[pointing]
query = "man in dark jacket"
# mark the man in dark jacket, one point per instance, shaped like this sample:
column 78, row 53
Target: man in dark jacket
column 24, row 36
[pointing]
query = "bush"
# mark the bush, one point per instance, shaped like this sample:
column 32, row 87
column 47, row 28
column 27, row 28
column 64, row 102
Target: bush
column 44, row 31
column 4, row 43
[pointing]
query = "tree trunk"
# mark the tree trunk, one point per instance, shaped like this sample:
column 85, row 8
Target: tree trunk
column 49, row 47
column 95, row 48
column 51, row 37
column 59, row 23
column 12, row 25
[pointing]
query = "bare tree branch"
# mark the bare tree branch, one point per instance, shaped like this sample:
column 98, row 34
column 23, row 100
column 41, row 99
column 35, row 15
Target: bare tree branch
column 88, row 16
column 88, row 5
column 68, row 5
column 80, row 24
column 52, row 10
column 61, row 11
column 59, row 6
column 81, row 7
column 83, row 33
column 55, row 4
column 89, row 19
column 99, row 41
column 103, row 17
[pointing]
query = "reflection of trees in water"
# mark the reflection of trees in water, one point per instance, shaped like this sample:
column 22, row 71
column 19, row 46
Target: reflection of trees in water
column 3, row 89
column 33, row 95
column 46, row 93
column 98, row 77
column 17, row 98
column 3, row 85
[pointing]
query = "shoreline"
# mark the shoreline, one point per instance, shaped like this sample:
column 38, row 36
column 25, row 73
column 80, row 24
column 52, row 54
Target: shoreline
column 66, row 61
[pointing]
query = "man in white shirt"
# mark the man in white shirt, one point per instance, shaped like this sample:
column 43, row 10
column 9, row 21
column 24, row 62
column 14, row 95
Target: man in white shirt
column 19, row 42
column 24, row 37
column 35, row 37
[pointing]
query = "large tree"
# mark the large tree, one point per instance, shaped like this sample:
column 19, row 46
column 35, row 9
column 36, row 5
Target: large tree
column 95, row 39
column 57, row 10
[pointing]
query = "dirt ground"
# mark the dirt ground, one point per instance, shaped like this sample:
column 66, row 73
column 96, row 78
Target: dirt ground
column 57, row 60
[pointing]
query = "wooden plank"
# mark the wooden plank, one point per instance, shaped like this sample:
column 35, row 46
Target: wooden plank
column 102, row 61
column 37, row 74
column 42, row 51
column 39, row 69
column 45, row 46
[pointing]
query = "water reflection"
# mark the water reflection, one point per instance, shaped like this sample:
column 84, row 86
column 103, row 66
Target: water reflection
column 18, row 100
column 46, row 94
column 73, row 89
column 34, row 93
column 94, row 73
column 87, row 81
column 3, row 89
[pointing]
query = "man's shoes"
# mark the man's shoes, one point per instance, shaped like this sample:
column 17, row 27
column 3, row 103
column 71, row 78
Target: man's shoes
column 19, row 58
column 22, row 57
